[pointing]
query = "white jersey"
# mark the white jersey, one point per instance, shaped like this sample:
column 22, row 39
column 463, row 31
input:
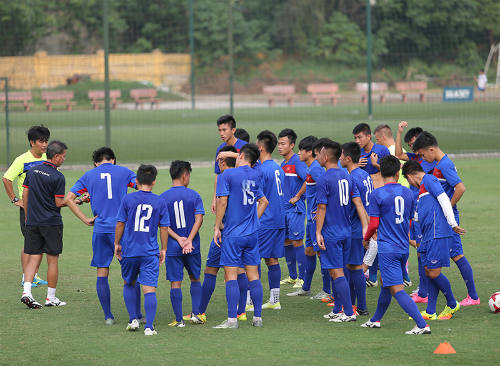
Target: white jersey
column 481, row 81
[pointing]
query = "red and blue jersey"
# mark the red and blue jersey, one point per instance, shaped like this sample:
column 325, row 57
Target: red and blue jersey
column 271, row 180
column 380, row 150
column 427, row 167
column 237, row 145
column 394, row 205
column 363, row 182
column 446, row 172
column 106, row 184
column 295, row 176
column 314, row 172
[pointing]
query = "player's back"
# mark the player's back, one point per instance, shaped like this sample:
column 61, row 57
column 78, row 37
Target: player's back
column 271, row 176
column 183, row 205
column 363, row 182
column 295, row 176
column 314, row 172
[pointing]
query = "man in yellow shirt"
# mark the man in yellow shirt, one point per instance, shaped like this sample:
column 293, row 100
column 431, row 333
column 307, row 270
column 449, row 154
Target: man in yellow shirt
column 38, row 137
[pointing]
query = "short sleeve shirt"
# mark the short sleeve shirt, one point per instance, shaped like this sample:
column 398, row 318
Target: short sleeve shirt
column 20, row 166
column 271, row 178
column 295, row 176
column 380, row 150
column 446, row 172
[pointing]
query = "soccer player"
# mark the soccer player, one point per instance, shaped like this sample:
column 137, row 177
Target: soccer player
column 38, row 137
column 43, row 197
column 426, row 145
column 391, row 208
column 238, row 192
column 335, row 195
column 438, row 223
column 364, row 184
column 136, row 245
column 294, row 188
column 185, row 207
column 106, row 184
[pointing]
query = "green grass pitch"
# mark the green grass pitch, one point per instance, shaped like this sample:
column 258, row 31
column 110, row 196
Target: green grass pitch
column 298, row 334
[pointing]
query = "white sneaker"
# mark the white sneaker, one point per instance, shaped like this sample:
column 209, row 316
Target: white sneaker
column 299, row 292
column 371, row 284
column 54, row 302
column 370, row 324
column 344, row 318
column 332, row 315
column 227, row 325
column 407, row 283
column 416, row 330
column 30, row 302
column 133, row 325
column 109, row 321
column 299, row 283
column 320, row 295
column 149, row 332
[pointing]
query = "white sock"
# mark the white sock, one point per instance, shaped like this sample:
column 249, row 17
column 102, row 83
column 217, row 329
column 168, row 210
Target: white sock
column 249, row 299
column 23, row 277
column 232, row 320
column 274, row 295
column 51, row 293
column 27, row 288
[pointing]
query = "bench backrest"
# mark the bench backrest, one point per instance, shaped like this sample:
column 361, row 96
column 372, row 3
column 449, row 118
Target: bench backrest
column 411, row 85
column 323, row 88
column 56, row 95
column 279, row 89
column 16, row 96
column 143, row 93
column 377, row 86
column 99, row 94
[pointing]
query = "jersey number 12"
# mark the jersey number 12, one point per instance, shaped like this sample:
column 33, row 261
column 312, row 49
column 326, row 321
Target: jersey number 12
column 140, row 218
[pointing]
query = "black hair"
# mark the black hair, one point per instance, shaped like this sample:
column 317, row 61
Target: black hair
column 226, row 119
column 230, row 162
column 54, row 148
column 242, row 134
column 178, row 168
column 288, row 132
column 424, row 140
column 413, row 132
column 251, row 152
column 352, row 150
column 36, row 133
column 307, row 143
column 146, row 174
column 362, row 127
column 333, row 149
column 389, row 166
column 320, row 143
column 268, row 139
column 411, row 167
column 103, row 153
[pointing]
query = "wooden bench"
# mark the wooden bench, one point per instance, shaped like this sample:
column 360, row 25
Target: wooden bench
column 17, row 99
column 324, row 91
column 273, row 92
column 97, row 97
column 142, row 96
column 64, row 98
column 379, row 88
column 405, row 86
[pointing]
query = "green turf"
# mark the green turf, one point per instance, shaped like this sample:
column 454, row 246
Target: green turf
column 184, row 134
column 76, row 334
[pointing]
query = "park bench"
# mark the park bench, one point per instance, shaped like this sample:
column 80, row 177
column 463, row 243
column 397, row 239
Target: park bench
column 53, row 98
column 273, row 92
column 378, row 88
column 17, row 99
column 97, row 97
column 141, row 96
column 323, row 91
column 407, row 86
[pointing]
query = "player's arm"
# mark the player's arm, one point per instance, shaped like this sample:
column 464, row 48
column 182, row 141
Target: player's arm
column 164, row 232
column 263, row 203
column 445, row 204
column 9, row 189
column 398, row 150
column 360, row 209
column 227, row 154
column 320, row 220
column 120, row 226
column 71, row 201
column 198, row 221
column 26, row 192
column 299, row 194
column 221, row 206
column 459, row 192
column 372, row 227
column 214, row 198
column 374, row 160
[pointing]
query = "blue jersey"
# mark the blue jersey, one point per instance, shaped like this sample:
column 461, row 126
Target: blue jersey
column 335, row 190
column 447, row 175
column 241, row 186
column 142, row 212
column 183, row 204
column 363, row 182
column 295, row 176
column 238, row 145
column 427, row 167
column 107, row 185
column 431, row 217
column 271, row 178
column 394, row 205
column 380, row 150
column 314, row 172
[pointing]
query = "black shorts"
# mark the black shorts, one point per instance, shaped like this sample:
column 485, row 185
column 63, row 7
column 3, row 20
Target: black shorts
column 43, row 239
column 22, row 221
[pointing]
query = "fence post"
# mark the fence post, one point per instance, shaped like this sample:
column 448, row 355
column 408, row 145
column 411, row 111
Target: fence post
column 369, row 55
column 230, row 49
column 191, row 52
column 107, row 114
column 7, row 127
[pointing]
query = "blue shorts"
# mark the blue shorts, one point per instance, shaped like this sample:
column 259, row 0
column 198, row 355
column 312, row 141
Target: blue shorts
column 357, row 252
column 103, row 249
column 455, row 243
column 436, row 253
column 415, row 232
column 240, row 251
column 294, row 224
column 271, row 243
column 311, row 235
column 146, row 267
column 213, row 257
column 336, row 254
column 391, row 268
column 175, row 266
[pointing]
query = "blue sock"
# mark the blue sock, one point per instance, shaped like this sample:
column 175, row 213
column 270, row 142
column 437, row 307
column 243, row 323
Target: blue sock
column 410, row 307
column 138, row 297
column 256, row 295
column 150, row 305
column 310, row 268
column 373, row 270
column 243, row 287
column 343, row 294
column 301, row 260
column 359, row 282
column 195, row 291
column 325, row 275
column 232, row 296
column 274, row 276
column 291, row 261
column 130, row 298
column 206, row 291
column 443, row 284
column 423, row 285
column 466, row 272
column 432, row 296
column 384, row 300
column 347, row 275
column 338, row 305
column 176, row 300
column 103, row 293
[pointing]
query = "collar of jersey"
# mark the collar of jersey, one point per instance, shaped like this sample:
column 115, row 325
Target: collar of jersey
column 49, row 163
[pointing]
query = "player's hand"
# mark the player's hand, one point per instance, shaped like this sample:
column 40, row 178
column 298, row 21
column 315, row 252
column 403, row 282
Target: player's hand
column 374, row 158
column 413, row 243
column 162, row 256
column 217, row 237
column 118, row 251
column 459, row 230
column 362, row 162
column 187, row 249
column 320, row 241
column 212, row 208
column 225, row 154
column 294, row 200
column 187, row 243
column 374, row 236
column 83, row 198
column 19, row 203
column 90, row 222
column 402, row 125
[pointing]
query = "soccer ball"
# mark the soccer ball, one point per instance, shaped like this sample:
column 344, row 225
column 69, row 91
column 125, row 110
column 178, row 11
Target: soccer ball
column 494, row 302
